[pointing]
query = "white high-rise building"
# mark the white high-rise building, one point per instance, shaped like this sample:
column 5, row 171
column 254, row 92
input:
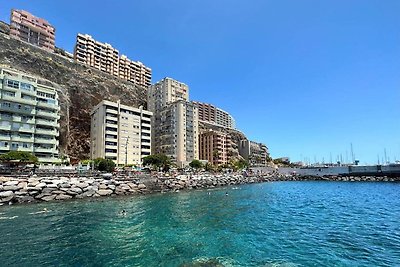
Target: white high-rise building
column 120, row 133
column 175, row 121
column 29, row 114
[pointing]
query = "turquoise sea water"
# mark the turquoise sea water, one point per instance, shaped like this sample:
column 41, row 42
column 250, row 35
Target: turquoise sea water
column 270, row 224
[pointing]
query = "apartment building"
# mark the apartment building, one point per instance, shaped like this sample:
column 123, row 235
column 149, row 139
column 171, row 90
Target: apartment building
column 175, row 121
column 166, row 91
column 176, row 135
column 255, row 153
column 31, row 29
column 120, row 133
column 29, row 114
column 211, row 114
column 215, row 147
column 101, row 56
column 104, row 57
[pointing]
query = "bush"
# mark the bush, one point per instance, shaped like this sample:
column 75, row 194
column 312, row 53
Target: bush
column 106, row 165
column 19, row 155
column 196, row 164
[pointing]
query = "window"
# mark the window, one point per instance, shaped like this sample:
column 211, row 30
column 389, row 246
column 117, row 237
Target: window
column 3, row 144
column 26, row 86
column 13, row 84
column 6, row 93
column 6, row 104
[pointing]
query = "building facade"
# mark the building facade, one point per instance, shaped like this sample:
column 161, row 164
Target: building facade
column 211, row 114
column 177, row 134
column 104, row 57
column 120, row 133
column 255, row 153
column 31, row 29
column 166, row 91
column 215, row 147
column 101, row 56
column 29, row 112
column 175, row 121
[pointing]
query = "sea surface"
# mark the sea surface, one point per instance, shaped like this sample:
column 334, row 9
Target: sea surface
column 269, row 224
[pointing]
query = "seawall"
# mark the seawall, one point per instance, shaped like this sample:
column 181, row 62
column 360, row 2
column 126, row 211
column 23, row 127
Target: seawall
column 52, row 188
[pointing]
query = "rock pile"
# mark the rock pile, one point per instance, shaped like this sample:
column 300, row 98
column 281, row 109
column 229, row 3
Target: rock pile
column 19, row 190
column 33, row 189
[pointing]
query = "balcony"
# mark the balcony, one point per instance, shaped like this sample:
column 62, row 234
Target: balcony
column 26, row 130
column 108, row 110
column 4, row 148
column 5, row 127
column 47, row 105
column 47, row 123
column 16, row 110
column 26, row 101
column 46, row 131
column 110, row 154
column 45, row 150
column 5, row 138
column 25, row 149
column 53, row 115
column 28, row 92
column 51, row 141
column 22, row 139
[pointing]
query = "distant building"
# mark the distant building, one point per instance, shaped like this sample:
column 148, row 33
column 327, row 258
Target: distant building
column 255, row 153
column 101, row 56
column 210, row 114
column 29, row 114
column 215, row 147
column 120, row 133
column 175, row 121
column 31, row 29
column 104, row 57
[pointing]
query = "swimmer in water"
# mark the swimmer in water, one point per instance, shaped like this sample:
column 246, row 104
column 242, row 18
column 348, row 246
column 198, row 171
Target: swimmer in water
column 226, row 194
column 42, row 211
column 123, row 212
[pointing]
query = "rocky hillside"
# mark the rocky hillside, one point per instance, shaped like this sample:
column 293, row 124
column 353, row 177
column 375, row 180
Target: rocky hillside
column 80, row 88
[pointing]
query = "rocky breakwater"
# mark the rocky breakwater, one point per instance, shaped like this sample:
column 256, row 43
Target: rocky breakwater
column 201, row 181
column 34, row 189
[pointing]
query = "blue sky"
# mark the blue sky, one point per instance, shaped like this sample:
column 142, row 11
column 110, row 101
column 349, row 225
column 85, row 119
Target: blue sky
column 306, row 77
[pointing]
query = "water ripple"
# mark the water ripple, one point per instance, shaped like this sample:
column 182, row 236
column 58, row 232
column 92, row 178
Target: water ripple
column 271, row 224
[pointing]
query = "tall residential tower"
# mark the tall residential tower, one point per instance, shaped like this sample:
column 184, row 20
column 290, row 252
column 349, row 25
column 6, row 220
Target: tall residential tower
column 29, row 114
column 175, row 121
column 120, row 133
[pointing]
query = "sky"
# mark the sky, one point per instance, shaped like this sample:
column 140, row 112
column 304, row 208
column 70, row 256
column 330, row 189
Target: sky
column 306, row 77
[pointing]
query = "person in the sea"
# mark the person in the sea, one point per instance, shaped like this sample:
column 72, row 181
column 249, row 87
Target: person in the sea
column 42, row 211
column 226, row 194
column 123, row 212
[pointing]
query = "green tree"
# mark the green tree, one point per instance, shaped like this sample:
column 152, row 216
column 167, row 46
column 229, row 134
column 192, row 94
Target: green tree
column 239, row 164
column 106, row 165
column 209, row 167
column 196, row 164
column 19, row 155
column 159, row 161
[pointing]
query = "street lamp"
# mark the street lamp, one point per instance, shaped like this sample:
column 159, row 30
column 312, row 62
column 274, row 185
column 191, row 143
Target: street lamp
column 126, row 151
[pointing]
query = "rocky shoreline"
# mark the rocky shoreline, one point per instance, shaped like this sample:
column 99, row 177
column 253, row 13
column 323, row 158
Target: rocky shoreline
column 52, row 188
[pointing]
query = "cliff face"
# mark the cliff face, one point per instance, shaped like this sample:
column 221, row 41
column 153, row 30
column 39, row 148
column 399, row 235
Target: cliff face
column 79, row 87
